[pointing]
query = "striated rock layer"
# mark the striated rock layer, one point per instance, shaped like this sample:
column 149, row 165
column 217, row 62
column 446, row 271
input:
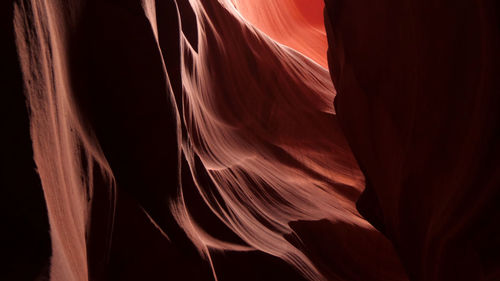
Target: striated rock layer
column 198, row 140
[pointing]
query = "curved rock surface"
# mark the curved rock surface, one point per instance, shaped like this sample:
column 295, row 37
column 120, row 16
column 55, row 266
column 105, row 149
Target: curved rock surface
column 198, row 139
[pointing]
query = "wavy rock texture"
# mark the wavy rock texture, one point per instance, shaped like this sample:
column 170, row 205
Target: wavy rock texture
column 197, row 140
column 297, row 24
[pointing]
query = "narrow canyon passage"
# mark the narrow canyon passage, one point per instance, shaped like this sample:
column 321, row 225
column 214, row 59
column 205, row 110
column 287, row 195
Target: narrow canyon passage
column 260, row 139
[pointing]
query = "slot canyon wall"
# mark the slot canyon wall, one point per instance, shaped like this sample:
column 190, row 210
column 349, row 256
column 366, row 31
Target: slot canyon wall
column 251, row 140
